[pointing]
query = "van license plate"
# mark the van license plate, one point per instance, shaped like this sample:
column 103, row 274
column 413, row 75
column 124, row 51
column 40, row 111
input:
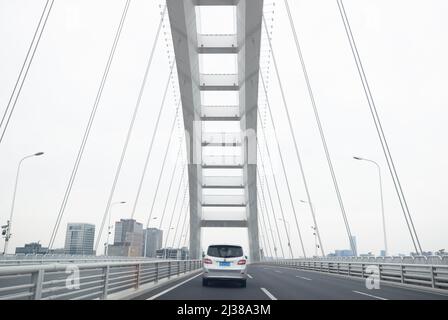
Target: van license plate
column 224, row 264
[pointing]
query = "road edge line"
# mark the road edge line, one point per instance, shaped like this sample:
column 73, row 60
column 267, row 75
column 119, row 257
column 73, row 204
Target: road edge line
column 369, row 295
column 131, row 294
column 173, row 287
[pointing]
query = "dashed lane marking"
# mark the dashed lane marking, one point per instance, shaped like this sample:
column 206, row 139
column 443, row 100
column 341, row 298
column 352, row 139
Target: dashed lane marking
column 304, row 278
column 270, row 295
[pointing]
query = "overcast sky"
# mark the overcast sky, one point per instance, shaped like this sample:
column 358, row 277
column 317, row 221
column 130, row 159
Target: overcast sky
column 403, row 47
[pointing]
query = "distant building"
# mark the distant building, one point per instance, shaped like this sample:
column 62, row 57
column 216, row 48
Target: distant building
column 32, row 248
column 346, row 252
column 173, row 253
column 79, row 239
column 343, row 253
column 128, row 239
column 153, row 239
column 382, row 253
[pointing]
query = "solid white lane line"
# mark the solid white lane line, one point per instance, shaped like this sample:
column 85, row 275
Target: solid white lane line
column 268, row 294
column 304, row 278
column 250, row 276
column 369, row 295
column 173, row 287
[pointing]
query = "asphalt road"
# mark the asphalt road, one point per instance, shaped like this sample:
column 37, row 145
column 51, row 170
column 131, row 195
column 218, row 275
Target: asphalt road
column 279, row 283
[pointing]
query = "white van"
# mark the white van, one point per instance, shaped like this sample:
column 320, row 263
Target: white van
column 224, row 262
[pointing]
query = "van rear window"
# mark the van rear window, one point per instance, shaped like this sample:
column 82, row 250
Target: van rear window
column 225, row 251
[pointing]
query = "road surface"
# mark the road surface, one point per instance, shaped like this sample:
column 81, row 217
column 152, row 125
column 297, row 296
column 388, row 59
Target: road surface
column 280, row 283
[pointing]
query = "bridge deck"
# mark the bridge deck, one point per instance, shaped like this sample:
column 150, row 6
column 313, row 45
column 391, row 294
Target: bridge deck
column 288, row 284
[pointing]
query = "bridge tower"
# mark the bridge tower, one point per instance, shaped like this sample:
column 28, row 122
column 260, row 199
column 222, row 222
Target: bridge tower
column 238, row 172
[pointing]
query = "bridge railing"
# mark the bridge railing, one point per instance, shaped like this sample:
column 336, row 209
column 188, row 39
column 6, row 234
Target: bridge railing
column 86, row 281
column 427, row 275
column 14, row 260
column 388, row 259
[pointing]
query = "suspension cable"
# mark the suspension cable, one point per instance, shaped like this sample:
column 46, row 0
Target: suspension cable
column 264, row 250
column 163, row 167
column 155, row 130
column 272, row 205
column 175, row 205
column 287, row 184
column 181, row 210
column 263, row 215
column 183, row 224
column 379, row 128
column 169, row 188
column 347, row 226
column 89, row 126
column 319, row 124
column 26, row 67
column 130, row 131
column 279, row 199
column 267, row 214
column 263, row 227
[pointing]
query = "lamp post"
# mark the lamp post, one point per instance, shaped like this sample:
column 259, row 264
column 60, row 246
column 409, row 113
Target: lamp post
column 109, row 227
column 9, row 223
column 316, row 230
column 382, row 200
column 315, row 240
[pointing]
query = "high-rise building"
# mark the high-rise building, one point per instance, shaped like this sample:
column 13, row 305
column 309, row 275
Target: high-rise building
column 128, row 239
column 153, row 239
column 79, row 239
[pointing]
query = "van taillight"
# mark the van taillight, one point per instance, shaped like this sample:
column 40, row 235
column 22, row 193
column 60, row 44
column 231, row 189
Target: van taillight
column 242, row 262
column 207, row 261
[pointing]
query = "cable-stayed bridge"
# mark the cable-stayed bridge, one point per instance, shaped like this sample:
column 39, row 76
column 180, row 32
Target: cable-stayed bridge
column 227, row 178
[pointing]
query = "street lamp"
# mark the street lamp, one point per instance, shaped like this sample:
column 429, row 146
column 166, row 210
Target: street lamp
column 109, row 227
column 316, row 230
column 316, row 246
column 9, row 223
column 381, row 197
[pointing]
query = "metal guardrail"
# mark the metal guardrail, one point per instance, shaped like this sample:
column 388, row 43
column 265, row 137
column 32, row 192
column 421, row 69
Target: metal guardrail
column 85, row 281
column 23, row 262
column 389, row 259
column 431, row 276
